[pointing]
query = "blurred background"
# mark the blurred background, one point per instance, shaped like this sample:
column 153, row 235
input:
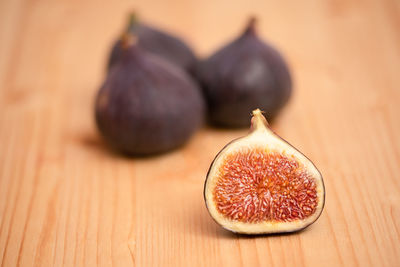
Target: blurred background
column 65, row 199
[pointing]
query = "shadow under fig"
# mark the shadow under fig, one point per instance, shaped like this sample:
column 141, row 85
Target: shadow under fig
column 97, row 144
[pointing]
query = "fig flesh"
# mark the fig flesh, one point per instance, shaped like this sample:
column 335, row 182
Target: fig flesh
column 146, row 104
column 244, row 74
column 260, row 184
column 158, row 42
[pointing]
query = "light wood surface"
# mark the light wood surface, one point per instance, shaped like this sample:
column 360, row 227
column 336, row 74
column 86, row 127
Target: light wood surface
column 65, row 199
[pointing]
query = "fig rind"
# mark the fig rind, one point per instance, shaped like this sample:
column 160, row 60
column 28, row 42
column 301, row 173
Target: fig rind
column 261, row 137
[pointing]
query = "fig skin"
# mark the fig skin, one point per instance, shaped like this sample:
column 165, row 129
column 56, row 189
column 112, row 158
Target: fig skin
column 158, row 42
column 244, row 74
column 147, row 105
column 261, row 136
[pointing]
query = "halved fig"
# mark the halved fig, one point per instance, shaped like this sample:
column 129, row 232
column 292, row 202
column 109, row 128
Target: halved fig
column 260, row 184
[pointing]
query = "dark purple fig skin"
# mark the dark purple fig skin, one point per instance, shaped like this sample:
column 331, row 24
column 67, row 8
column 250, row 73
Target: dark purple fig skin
column 147, row 105
column 245, row 74
column 158, row 42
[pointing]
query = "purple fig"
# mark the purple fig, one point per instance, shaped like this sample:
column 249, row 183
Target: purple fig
column 147, row 105
column 162, row 44
column 243, row 75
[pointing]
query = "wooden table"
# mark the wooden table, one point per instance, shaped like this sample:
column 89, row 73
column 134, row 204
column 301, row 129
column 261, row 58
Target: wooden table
column 65, row 199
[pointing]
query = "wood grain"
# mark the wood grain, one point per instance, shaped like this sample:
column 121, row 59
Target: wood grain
column 66, row 200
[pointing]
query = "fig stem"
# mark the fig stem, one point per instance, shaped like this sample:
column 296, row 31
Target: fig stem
column 252, row 22
column 251, row 25
column 258, row 121
column 132, row 21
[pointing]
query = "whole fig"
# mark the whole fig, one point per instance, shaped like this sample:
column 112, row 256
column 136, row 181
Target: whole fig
column 146, row 104
column 156, row 41
column 243, row 75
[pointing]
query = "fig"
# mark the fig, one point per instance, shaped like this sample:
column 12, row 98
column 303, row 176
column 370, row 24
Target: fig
column 260, row 184
column 244, row 74
column 158, row 42
column 146, row 104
